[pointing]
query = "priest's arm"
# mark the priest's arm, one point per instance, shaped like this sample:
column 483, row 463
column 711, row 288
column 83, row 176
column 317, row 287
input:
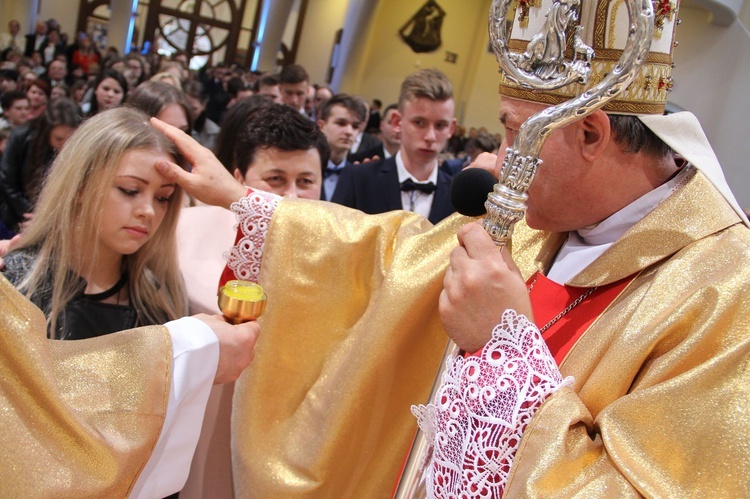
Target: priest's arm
column 112, row 416
column 655, row 407
column 509, row 420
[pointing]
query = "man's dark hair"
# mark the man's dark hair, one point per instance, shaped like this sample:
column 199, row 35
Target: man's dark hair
column 390, row 106
column 231, row 125
column 9, row 98
column 53, row 61
column 280, row 127
column 635, row 137
column 268, row 81
column 378, row 103
column 8, row 74
column 235, row 85
column 353, row 104
column 293, row 73
column 196, row 90
column 484, row 141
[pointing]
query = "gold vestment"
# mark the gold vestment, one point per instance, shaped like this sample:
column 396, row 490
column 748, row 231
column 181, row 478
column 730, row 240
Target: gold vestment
column 78, row 418
column 352, row 338
column 661, row 401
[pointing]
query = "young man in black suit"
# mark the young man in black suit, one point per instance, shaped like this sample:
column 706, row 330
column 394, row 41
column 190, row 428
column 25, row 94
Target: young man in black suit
column 293, row 83
column 410, row 180
column 341, row 118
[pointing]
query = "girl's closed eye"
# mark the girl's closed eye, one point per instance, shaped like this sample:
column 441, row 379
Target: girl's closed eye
column 128, row 192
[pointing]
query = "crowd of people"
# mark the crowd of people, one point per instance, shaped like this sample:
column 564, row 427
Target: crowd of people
column 39, row 69
column 603, row 351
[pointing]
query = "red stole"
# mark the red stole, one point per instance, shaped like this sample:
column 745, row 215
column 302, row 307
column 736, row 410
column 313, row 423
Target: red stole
column 548, row 299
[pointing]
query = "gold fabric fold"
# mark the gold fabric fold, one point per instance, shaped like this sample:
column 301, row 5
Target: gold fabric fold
column 79, row 418
column 662, row 385
column 351, row 339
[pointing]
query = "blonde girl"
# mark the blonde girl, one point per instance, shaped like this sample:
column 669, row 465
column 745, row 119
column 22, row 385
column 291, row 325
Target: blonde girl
column 100, row 254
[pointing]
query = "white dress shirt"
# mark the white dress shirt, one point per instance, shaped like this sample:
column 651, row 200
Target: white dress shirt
column 330, row 182
column 416, row 201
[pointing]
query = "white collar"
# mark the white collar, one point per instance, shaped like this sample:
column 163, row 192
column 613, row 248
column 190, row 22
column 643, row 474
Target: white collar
column 357, row 141
column 586, row 245
column 403, row 173
column 334, row 166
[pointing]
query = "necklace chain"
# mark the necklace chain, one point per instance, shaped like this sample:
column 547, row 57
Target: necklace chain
column 567, row 309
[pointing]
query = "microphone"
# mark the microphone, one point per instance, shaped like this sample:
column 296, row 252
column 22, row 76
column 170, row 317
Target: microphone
column 469, row 191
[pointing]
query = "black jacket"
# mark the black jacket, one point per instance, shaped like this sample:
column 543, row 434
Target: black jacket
column 374, row 188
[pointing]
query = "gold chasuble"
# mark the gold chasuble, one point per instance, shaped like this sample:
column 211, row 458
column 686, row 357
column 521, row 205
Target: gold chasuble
column 351, row 339
column 660, row 406
column 78, row 418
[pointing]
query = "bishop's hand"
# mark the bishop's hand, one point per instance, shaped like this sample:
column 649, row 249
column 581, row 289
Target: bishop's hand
column 479, row 285
column 208, row 181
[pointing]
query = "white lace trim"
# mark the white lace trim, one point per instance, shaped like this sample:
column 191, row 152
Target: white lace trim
column 482, row 408
column 254, row 213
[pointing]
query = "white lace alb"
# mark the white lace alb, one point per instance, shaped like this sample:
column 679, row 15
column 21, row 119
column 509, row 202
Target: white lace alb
column 482, row 408
column 254, row 213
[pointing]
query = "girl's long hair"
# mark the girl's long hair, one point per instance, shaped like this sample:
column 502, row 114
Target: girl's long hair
column 153, row 96
column 68, row 218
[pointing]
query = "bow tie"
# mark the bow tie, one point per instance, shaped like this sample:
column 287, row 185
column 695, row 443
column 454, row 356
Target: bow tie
column 409, row 185
column 330, row 171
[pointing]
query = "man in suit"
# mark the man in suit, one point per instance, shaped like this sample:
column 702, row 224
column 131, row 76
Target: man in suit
column 293, row 83
column 35, row 41
column 13, row 39
column 364, row 140
column 391, row 141
column 268, row 85
column 341, row 118
column 57, row 73
column 483, row 142
column 411, row 180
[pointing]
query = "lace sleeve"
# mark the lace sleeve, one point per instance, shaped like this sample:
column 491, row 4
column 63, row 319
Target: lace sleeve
column 254, row 213
column 482, row 408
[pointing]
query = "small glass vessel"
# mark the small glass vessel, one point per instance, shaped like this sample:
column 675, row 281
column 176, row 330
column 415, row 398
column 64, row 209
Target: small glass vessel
column 242, row 301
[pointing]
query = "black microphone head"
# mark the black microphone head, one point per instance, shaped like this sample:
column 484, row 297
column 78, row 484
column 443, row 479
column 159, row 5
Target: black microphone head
column 469, row 191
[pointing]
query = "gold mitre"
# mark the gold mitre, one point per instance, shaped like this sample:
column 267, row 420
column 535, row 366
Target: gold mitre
column 605, row 30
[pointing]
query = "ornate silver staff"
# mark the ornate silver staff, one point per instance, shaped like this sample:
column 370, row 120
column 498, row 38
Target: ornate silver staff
column 541, row 67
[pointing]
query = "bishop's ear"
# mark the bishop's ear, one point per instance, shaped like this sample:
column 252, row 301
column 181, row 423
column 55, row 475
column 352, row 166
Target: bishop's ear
column 595, row 134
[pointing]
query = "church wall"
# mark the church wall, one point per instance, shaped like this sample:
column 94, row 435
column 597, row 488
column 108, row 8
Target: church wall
column 322, row 19
column 64, row 12
column 379, row 68
column 13, row 9
column 482, row 99
column 711, row 79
